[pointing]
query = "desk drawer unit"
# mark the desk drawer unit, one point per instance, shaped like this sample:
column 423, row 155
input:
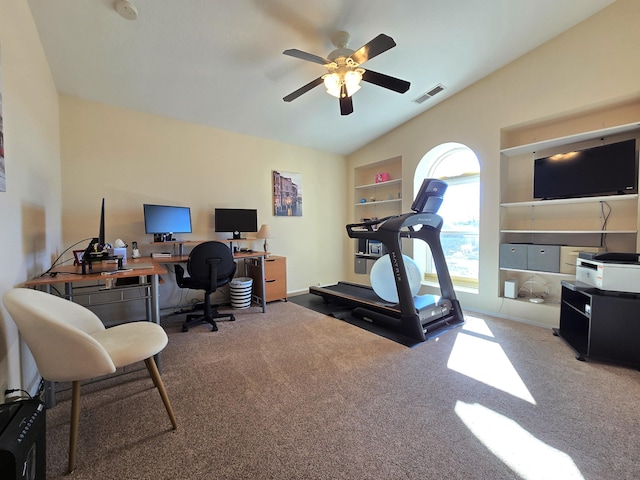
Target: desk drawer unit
column 275, row 278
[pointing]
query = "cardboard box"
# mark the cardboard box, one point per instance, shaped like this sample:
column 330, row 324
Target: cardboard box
column 569, row 257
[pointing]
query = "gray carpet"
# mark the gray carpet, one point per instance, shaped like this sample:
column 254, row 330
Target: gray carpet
column 295, row 394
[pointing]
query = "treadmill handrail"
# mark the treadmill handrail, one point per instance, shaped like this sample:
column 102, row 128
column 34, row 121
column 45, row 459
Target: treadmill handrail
column 394, row 223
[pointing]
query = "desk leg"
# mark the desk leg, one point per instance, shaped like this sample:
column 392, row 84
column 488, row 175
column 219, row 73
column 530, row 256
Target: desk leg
column 155, row 313
column 264, row 285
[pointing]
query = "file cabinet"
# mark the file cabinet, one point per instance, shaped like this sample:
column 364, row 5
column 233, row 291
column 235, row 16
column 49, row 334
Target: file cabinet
column 275, row 278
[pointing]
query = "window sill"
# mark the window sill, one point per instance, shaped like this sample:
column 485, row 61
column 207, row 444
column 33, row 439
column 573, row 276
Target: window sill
column 457, row 288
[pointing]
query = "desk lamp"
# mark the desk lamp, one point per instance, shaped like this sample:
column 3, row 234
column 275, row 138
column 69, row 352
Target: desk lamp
column 265, row 233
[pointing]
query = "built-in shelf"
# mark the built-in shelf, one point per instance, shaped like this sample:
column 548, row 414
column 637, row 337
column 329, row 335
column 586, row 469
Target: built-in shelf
column 563, row 232
column 559, row 274
column 570, row 201
column 378, row 202
column 380, row 184
column 569, row 139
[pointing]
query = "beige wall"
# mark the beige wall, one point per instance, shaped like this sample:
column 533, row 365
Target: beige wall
column 131, row 158
column 30, row 209
column 591, row 65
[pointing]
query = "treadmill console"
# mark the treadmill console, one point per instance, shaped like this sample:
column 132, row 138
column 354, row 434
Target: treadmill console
column 429, row 196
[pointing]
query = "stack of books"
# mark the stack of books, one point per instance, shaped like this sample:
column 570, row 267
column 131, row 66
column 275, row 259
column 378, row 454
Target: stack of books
column 161, row 255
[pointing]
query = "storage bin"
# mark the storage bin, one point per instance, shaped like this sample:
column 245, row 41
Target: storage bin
column 543, row 258
column 513, row 255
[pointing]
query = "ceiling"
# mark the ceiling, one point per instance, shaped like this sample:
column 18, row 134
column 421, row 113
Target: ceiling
column 220, row 63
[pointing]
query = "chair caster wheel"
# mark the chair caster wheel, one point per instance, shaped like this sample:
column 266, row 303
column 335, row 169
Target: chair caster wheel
column 214, row 328
column 232, row 318
column 185, row 328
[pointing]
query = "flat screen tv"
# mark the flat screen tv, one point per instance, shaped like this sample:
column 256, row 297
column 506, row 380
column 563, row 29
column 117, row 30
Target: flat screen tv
column 603, row 170
column 164, row 220
column 236, row 221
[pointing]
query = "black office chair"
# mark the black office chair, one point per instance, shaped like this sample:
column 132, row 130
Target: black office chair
column 210, row 266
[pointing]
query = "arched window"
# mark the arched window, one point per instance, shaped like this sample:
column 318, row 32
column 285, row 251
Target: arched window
column 458, row 165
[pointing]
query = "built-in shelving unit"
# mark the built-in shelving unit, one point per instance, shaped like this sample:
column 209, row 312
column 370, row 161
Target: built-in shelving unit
column 375, row 200
column 594, row 222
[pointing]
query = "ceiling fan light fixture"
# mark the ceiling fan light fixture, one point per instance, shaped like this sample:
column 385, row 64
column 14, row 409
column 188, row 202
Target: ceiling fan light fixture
column 332, row 84
column 350, row 79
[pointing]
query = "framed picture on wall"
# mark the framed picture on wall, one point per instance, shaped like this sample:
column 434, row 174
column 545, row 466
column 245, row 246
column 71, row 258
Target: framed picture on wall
column 287, row 194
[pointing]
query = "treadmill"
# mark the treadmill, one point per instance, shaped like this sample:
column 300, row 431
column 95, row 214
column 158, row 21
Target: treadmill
column 419, row 317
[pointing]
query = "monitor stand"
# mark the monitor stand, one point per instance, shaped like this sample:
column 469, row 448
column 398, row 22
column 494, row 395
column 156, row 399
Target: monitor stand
column 99, row 258
column 237, row 235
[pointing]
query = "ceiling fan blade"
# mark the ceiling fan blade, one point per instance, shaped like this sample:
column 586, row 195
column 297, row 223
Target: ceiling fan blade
column 382, row 80
column 346, row 103
column 310, row 57
column 375, row 47
column 292, row 96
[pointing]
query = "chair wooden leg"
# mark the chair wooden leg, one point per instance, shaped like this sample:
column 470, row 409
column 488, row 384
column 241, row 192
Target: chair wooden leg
column 157, row 381
column 75, row 420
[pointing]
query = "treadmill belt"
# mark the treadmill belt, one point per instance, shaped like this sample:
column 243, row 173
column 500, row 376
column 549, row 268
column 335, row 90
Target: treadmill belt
column 362, row 292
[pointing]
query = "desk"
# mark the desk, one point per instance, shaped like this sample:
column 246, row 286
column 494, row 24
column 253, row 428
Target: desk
column 68, row 275
column 236, row 256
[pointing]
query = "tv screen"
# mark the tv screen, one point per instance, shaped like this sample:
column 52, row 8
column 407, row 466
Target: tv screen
column 236, row 220
column 164, row 219
column 602, row 170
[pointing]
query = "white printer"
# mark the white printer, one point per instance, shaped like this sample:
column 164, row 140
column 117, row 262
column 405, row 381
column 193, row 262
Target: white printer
column 619, row 272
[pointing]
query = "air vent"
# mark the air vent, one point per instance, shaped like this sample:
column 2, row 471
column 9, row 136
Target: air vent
column 426, row 96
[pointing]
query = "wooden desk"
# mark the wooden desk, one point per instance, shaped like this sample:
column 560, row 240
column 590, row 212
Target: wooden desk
column 236, row 256
column 68, row 275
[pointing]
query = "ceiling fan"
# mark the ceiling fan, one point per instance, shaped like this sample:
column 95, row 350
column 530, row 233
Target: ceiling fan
column 344, row 73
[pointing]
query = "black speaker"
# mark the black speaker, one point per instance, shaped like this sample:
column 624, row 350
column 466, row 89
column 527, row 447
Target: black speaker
column 23, row 440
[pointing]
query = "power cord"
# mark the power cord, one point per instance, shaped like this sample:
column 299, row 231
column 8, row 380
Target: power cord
column 24, row 393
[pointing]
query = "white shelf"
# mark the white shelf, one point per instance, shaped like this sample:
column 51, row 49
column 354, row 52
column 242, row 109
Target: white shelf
column 559, row 142
column 380, row 184
column 537, row 272
column 570, row 201
column 569, row 231
column 378, row 202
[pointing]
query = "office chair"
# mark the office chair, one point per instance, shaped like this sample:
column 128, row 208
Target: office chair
column 69, row 344
column 210, row 266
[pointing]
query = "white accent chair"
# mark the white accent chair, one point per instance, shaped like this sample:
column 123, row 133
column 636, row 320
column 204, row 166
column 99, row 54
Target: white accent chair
column 69, row 344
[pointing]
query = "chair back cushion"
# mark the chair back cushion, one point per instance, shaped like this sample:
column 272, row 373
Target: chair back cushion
column 199, row 266
column 58, row 334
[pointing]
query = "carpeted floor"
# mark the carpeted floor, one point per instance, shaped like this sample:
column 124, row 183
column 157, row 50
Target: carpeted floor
column 296, row 394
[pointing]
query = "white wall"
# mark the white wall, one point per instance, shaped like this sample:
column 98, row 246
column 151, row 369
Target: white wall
column 591, row 65
column 131, row 158
column 30, row 209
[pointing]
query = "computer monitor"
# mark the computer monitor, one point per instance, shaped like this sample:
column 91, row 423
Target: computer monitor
column 236, row 221
column 164, row 220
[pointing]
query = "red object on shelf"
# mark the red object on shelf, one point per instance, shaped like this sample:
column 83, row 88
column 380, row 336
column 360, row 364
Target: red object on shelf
column 382, row 177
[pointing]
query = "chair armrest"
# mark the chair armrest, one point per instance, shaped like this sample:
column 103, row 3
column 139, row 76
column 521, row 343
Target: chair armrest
column 179, row 274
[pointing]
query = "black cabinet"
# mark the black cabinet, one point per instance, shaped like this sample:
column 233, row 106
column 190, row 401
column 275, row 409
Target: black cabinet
column 600, row 324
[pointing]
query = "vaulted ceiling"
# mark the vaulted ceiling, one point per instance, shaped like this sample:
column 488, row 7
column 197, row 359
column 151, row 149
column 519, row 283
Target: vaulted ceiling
column 220, row 63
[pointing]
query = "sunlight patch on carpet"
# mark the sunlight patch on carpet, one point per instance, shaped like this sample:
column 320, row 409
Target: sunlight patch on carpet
column 478, row 355
column 528, row 456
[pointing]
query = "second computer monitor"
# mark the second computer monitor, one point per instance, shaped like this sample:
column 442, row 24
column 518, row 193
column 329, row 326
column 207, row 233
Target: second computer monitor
column 236, row 221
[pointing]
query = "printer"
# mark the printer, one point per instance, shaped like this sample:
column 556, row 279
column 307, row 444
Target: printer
column 619, row 272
